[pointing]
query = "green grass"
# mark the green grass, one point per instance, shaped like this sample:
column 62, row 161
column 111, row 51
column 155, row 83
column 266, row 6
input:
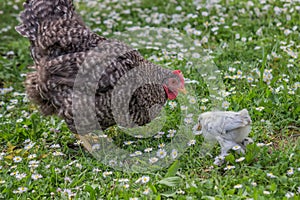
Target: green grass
column 68, row 171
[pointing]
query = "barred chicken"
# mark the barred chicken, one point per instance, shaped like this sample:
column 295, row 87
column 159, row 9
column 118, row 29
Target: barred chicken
column 103, row 76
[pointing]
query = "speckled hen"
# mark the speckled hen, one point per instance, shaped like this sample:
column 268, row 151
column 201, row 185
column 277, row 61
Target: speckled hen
column 67, row 53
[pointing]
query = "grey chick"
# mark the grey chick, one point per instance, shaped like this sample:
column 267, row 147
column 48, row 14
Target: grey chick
column 228, row 128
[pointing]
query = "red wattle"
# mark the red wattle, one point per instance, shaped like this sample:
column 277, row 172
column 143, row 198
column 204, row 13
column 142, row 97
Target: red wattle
column 170, row 94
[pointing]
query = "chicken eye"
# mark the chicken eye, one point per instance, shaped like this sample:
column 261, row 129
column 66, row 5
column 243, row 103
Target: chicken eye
column 173, row 81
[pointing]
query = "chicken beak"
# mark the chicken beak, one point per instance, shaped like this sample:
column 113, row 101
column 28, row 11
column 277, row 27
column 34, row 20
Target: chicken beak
column 199, row 127
column 182, row 90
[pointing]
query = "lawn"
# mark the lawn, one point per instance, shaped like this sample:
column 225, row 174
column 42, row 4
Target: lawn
column 234, row 54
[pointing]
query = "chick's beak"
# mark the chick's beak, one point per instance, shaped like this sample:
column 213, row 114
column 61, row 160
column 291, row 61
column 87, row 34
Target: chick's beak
column 199, row 127
column 182, row 90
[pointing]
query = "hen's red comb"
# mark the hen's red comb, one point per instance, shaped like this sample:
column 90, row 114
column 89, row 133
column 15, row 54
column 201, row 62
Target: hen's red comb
column 177, row 71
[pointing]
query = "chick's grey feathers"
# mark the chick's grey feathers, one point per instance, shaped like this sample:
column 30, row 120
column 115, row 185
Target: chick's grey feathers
column 66, row 54
column 227, row 128
column 230, row 125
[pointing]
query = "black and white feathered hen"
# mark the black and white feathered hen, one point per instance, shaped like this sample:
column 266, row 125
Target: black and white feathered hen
column 66, row 52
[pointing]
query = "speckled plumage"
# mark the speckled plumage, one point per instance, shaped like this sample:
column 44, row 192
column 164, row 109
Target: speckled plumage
column 65, row 51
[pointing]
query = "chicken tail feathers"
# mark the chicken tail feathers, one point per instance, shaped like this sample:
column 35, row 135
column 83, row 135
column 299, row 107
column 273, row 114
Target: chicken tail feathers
column 37, row 11
column 34, row 94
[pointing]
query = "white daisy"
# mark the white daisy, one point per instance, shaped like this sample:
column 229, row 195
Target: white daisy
column 105, row 174
column 290, row 171
column 192, row 100
column 289, row 195
column 22, row 189
column 254, row 184
column 29, row 146
column 271, row 175
column 172, row 104
column 238, row 186
column 266, row 192
column 147, row 191
column 240, row 159
column 36, row 176
column 17, row 159
column 123, row 180
column 153, row 160
column 145, row 179
column 57, row 153
column 161, row 153
column 31, row 156
column 128, row 142
column 225, row 104
column 191, row 142
column 147, row 150
column 174, row 153
column 229, row 167
column 20, row 176
column 54, row 146
column 236, row 147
